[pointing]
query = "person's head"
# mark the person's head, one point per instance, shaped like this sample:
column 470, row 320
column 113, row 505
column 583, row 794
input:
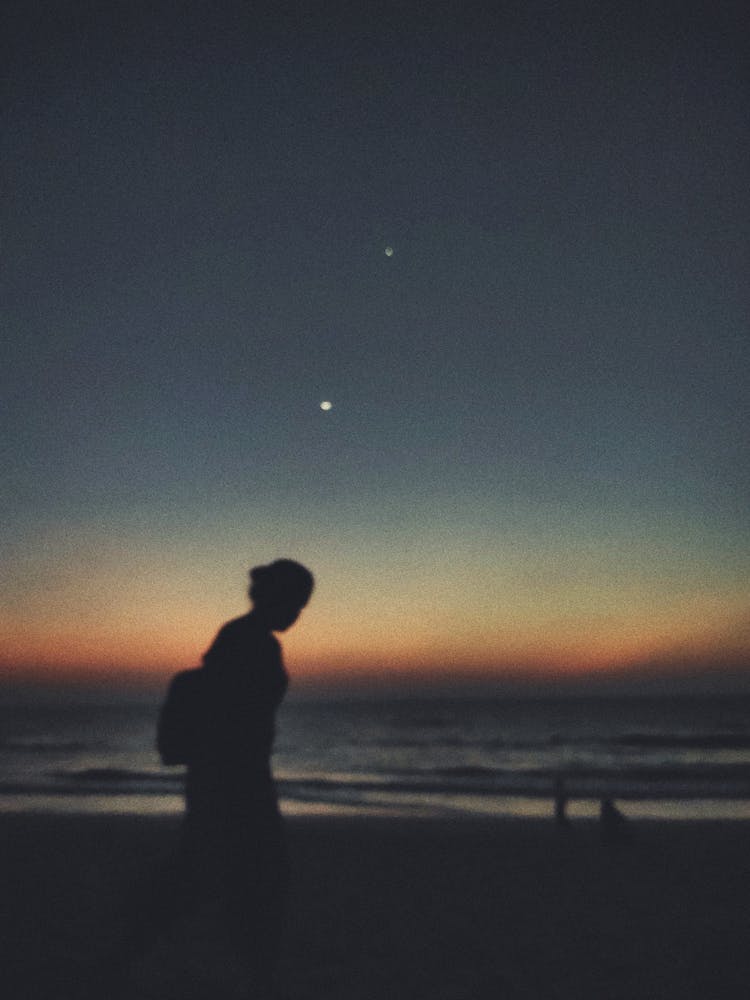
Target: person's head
column 279, row 592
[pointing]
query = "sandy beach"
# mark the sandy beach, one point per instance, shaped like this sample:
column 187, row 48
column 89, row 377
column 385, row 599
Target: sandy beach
column 395, row 908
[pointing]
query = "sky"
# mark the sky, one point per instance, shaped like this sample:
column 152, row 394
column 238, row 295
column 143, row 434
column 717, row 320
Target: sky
column 535, row 467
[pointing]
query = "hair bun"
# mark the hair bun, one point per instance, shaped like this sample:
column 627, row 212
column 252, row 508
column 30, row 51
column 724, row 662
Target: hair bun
column 258, row 573
column 282, row 578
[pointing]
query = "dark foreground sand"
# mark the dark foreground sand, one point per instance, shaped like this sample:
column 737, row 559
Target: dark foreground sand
column 385, row 909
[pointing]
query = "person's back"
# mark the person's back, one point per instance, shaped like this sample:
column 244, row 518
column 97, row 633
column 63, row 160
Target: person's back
column 237, row 693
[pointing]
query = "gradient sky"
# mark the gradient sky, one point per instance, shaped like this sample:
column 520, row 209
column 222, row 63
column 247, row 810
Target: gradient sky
column 536, row 463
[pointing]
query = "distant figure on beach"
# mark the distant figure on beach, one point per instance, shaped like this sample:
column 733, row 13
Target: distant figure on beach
column 219, row 719
column 613, row 826
column 561, row 802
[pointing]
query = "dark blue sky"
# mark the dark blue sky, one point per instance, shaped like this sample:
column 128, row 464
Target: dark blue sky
column 197, row 200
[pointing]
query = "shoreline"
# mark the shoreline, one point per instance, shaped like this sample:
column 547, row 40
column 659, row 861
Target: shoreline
column 383, row 908
column 463, row 809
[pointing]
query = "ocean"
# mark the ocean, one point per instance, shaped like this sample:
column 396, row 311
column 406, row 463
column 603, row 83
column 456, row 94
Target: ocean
column 665, row 758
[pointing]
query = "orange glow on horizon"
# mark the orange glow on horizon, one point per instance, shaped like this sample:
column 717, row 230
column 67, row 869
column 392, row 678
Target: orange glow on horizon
column 313, row 657
column 144, row 613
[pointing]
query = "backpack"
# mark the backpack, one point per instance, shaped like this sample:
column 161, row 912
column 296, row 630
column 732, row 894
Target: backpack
column 179, row 727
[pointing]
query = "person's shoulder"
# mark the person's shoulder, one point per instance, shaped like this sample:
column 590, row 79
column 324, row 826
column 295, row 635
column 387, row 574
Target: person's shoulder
column 235, row 625
column 232, row 632
column 248, row 628
column 241, row 639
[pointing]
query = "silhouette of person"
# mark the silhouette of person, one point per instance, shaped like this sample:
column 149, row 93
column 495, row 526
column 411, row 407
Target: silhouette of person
column 219, row 719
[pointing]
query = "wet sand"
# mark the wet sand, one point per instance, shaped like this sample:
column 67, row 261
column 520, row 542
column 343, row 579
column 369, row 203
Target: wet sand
column 394, row 909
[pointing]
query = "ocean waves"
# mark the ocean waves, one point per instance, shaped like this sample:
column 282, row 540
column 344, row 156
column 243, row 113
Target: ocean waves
column 463, row 756
column 676, row 782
